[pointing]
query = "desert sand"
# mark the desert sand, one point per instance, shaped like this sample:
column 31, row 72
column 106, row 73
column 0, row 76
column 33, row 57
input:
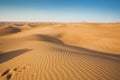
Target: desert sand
column 59, row 51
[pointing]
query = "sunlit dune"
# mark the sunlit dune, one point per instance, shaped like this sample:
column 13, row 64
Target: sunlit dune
column 59, row 51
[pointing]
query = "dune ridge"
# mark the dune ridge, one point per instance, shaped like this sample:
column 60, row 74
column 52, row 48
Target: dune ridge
column 53, row 53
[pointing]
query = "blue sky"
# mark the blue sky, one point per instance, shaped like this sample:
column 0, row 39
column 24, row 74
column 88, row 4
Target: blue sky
column 60, row 10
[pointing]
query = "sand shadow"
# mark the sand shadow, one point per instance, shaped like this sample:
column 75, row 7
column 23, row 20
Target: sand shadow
column 9, row 55
column 85, row 51
column 9, row 30
column 90, row 52
column 45, row 38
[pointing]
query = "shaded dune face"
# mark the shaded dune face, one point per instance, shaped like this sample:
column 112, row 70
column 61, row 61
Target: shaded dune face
column 45, row 38
column 40, row 55
column 9, row 30
column 8, row 55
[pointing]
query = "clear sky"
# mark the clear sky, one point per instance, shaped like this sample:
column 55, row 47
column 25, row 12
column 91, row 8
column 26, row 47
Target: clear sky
column 60, row 10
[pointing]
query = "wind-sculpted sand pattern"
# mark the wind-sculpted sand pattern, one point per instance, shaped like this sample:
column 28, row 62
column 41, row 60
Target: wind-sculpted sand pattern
column 60, row 63
column 42, row 57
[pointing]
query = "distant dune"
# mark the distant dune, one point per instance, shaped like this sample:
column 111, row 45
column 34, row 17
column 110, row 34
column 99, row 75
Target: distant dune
column 59, row 51
column 8, row 30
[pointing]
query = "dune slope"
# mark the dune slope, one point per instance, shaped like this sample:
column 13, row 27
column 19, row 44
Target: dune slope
column 42, row 54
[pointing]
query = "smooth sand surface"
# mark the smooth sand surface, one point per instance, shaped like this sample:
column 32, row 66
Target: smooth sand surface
column 59, row 51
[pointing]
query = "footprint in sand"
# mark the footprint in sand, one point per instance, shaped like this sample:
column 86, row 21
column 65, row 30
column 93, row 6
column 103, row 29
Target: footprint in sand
column 10, row 73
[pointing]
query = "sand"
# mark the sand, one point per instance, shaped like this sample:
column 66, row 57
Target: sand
column 59, row 51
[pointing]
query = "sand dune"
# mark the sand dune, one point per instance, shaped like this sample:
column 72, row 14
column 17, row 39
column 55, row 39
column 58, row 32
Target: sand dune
column 63, row 51
column 24, row 27
column 8, row 30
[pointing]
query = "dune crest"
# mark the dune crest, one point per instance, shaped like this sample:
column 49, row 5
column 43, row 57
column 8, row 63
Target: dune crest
column 60, row 51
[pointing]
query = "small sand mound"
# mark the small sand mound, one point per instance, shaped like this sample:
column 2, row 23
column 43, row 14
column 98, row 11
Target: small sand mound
column 23, row 27
column 19, row 24
column 9, row 30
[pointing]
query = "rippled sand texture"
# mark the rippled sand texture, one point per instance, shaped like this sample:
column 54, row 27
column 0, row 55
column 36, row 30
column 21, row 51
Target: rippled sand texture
column 59, row 51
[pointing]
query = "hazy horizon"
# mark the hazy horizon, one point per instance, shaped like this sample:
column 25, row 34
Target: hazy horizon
column 60, row 10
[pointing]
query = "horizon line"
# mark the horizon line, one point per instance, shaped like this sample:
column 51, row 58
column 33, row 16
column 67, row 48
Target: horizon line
column 59, row 22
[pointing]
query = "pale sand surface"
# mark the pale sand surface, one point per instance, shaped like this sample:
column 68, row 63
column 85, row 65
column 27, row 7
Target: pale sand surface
column 59, row 51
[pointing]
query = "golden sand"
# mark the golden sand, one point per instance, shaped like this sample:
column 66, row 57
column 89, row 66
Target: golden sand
column 59, row 51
